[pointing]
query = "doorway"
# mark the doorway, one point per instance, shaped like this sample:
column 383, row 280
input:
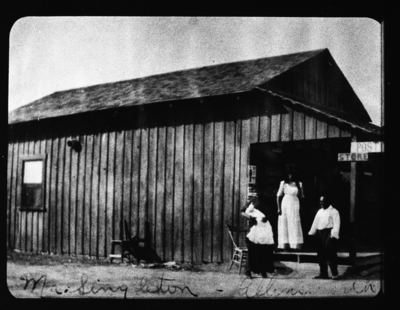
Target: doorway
column 318, row 170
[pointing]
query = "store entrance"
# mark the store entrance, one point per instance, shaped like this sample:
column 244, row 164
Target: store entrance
column 318, row 170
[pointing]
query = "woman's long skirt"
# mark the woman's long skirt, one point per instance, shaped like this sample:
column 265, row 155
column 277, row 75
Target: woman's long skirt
column 260, row 257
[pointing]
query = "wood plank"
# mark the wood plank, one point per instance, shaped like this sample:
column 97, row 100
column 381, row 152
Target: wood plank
column 152, row 174
column 198, row 205
column 110, row 194
column 42, row 216
column 333, row 131
column 13, row 192
column 298, row 125
column 103, row 193
column 219, row 133
column 47, row 191
column 53, row 207
column 35, row 215
column 87, row 202
column 265, row 121
column 95, row 203
column 208, row 181
column 119, row 185
column 228, row 184
column 144, row 174
column 254, row 122
column 66, row 186
column 80, row 195
column 244, row 159
column 73, row 223
column 287, row 125
column 29, row 214
column 345, row 133
column 311, row 127
column 237, row 219
column 178, row 185
column 275, row 127
column 169, row 185
column 18, row 173
column 127, row 178
column 188, row 186
column 9, row 190
column 322, row 130
column 161, row 186
column 134, row 222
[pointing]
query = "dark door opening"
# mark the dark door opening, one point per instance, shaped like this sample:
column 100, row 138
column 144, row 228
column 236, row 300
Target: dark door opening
column 318, row 169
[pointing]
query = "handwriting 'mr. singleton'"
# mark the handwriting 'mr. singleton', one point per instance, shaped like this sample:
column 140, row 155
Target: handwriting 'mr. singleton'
column 142, row 285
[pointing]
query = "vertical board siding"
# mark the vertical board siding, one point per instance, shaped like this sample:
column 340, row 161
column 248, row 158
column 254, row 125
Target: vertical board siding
column 287, row 125
column 127, row 181
column 275, row 127
column 159, row 230
column 182, row 168
column 119, row 212
column 219, row 131
column 103, row 191
column 178, row 186
column 10, row 220
column 94, row 219
column 228, row 180
column 80, row 196
column 144, row 172
column 237, row 203
column 198, row 205
column 110, row 192
column 73, row 198
column 333, row 131
column 188, row 187
column 66, row 188
column 208, row 181
column 322, row 129
column 152, row 178
column 244, row 157
column 298, row 125
column 265, row 121
column 13, row 202
column 135, row 181
column 311, row 127
column 87, row 203
column 49, row 178
column 53, row 228
column 169, row 184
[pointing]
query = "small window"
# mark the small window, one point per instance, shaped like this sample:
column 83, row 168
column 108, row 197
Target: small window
column 32, row 190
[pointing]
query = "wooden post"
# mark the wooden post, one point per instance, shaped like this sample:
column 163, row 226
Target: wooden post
column 353, row 203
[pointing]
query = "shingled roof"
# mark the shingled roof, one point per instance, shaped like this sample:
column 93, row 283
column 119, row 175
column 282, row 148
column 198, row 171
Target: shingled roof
column 207, row 81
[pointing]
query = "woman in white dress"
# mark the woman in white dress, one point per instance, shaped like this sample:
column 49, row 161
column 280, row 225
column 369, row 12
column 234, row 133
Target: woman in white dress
column 290, row 234
column 260, row 241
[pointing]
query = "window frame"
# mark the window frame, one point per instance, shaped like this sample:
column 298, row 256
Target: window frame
column 23, row 159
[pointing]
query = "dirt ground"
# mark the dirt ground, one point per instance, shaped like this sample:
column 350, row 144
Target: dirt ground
column 52, row 276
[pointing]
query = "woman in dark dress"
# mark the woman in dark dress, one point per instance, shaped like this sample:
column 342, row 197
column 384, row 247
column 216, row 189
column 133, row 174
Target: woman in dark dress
column 260, row 241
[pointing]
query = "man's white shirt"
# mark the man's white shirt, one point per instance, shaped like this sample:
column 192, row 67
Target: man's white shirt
column 326, row 218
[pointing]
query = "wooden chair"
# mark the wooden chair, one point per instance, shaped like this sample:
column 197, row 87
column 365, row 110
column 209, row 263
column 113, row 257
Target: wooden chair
column 239, row 253
column 125, row 245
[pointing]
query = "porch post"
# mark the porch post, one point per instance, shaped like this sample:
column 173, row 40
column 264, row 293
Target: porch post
column 353, row 203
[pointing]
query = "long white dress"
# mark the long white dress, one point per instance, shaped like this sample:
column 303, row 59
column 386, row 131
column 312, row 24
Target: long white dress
column 262, row 232
column 290, row 234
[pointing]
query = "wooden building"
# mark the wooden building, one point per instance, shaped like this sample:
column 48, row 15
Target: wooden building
column 175, row 149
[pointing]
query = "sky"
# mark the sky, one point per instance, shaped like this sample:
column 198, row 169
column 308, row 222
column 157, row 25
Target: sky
column 49, row 54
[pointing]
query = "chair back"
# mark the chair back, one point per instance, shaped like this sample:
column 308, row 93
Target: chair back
column 232, row 229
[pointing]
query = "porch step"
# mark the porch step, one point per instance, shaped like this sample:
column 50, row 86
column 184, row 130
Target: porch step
column 362, row 259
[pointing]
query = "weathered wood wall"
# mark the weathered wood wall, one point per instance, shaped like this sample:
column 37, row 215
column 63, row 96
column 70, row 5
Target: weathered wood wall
column 181, row 166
